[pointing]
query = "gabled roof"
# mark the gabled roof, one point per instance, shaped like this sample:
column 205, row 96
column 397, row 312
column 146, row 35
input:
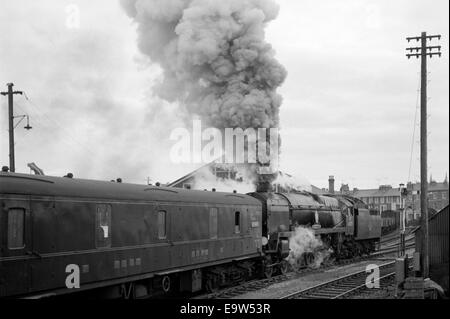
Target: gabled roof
column 393, row 192
column 188, row 176
column 432, row 187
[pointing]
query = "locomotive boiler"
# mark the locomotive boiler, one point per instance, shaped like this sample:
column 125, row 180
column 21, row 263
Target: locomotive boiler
column 343, row 223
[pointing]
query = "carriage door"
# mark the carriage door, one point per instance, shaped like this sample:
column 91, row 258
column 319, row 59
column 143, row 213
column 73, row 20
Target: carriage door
column 17, row 221
column 15, row 224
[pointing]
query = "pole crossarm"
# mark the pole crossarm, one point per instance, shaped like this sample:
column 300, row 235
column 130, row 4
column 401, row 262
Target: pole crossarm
column 424, row 51
column 428, row 37
column 434, row 47
column 430, row 48
column 431, row 37
column 418, row 55
column 14, row 92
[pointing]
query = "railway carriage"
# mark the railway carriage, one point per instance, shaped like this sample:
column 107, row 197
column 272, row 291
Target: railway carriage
column 62, row 235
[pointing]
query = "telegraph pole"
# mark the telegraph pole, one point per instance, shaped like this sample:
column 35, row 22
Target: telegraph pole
column 424, row 52
column 10, row 94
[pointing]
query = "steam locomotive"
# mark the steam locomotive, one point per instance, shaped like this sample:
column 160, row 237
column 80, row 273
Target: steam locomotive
column 60, row 236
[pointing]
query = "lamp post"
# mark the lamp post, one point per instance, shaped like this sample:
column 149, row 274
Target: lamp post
column 403, row 222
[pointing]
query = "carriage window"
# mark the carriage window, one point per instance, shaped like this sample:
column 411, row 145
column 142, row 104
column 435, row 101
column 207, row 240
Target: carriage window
column 103, row 226
column 237, row 222
column 162, row 221
column 213, row 223
column 16, row 222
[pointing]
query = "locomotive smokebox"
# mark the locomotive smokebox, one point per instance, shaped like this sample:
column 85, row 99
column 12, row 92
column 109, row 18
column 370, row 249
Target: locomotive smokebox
column 264, row 187
column 264, row 183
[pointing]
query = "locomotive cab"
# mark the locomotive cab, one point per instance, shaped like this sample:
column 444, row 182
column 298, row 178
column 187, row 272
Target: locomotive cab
column 276, row 230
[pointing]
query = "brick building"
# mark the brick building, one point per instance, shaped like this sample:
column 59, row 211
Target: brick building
column 388, row 198
column 438, row 197
column 382, row 199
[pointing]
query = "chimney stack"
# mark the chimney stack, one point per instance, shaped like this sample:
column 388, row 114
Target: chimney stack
column 331, row 185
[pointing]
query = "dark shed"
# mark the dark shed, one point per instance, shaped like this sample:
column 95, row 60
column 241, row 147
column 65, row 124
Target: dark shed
column 439, row 247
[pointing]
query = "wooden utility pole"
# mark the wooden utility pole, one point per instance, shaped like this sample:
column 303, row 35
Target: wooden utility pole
column 424, row 52
column 10, row 94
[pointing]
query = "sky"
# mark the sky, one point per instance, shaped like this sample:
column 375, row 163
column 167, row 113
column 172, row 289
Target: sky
column 349, row 100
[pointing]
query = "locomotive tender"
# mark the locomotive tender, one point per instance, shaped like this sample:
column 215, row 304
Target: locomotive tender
column 60, row 236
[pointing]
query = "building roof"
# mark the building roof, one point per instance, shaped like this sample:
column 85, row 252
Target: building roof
column 318, row 191
column 381, row 192
column 188, row 177
column 432, row 187
column 442, row 211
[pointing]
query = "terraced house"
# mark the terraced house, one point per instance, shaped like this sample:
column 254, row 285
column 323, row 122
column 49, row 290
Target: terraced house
column 382, row 199
column 438, row 197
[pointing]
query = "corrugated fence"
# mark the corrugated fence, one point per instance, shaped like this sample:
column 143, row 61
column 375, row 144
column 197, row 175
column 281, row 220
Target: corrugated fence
column 439, row 238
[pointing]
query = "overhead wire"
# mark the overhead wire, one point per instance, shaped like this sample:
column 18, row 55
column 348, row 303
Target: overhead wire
column 46, row 121
column 414, row 132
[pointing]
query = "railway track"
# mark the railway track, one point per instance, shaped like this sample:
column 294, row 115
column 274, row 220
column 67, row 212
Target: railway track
column 409, row 244
column 344, row 286
column 256, row 285
column 396, row 241
column 393, row 239
column 250, row 286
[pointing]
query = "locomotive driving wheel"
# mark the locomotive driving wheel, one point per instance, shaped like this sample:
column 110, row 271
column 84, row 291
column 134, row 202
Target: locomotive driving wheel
column 309, row 259
column 211, row 287
column 268, row 272
column 284, row 267
column 268, row 268
column 211, row 284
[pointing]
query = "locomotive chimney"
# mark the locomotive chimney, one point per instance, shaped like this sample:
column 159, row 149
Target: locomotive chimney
column 264, row 187
column 331, row 185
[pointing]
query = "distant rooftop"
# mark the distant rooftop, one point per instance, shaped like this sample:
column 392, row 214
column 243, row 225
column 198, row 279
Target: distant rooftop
column 383, row 191
column 432, row 187
column 288, row 179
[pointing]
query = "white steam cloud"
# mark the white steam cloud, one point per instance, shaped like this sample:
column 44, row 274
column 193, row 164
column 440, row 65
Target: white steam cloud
column 214, row 56
column 288, row 183
column 304, row 242
column 240, row 182
column 216, row 63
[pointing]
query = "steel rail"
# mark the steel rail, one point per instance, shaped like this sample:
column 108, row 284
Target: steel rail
column 343, row 279
column 363, row 285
